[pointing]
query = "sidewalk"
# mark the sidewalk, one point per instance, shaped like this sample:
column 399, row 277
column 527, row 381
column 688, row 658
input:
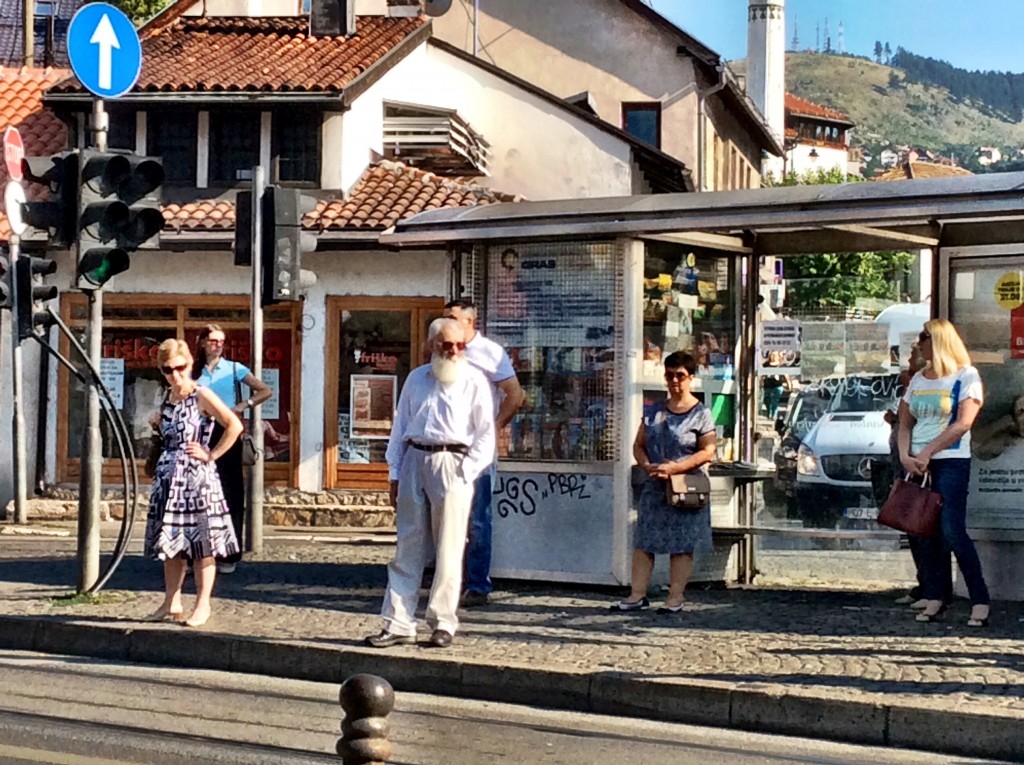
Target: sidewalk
column 839, row 665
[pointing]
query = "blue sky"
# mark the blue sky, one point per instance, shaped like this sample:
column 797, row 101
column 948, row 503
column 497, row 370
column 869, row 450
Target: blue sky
column 973, row 34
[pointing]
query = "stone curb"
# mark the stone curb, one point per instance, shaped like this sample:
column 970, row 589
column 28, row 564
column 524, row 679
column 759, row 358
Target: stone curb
column 761, row 708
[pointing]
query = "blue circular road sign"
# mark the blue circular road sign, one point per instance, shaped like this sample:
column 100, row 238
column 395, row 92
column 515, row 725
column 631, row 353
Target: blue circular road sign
column 104, row 50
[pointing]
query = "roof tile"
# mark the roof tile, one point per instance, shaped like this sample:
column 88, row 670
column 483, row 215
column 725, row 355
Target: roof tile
column 801, row 107
column 212, row 54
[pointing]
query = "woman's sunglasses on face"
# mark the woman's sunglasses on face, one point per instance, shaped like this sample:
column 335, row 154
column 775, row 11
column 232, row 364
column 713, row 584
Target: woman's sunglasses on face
column 671, row 376
column 171, row 370
column 925, row 335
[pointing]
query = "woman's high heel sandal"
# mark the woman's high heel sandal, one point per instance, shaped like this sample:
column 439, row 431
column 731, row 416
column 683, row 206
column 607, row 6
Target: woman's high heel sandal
column 935, row 616
column 978, row 622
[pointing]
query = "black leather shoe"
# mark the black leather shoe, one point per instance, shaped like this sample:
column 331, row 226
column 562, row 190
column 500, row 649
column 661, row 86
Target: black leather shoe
column 473, row 599
column 439, row 639
column 387, row 639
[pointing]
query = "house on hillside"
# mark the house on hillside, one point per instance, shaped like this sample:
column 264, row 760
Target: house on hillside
column 634, row 68
column 989, row 155
column 378, row 124
column 817, row 138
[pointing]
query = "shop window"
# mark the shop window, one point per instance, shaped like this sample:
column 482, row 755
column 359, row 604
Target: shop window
column 234, row 146
column 643, row 121
column 173, row 135
column 134, row 327
column 373, row 344
column 295, row 146
column 553, row 307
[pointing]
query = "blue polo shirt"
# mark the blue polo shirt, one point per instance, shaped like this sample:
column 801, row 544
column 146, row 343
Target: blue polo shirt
column 222, row 380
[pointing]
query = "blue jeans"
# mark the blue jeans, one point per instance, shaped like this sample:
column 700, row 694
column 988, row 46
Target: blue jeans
column 478, row 547
column 950, row 478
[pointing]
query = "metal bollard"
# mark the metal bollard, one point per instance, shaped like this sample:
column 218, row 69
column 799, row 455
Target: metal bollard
column 367, row 700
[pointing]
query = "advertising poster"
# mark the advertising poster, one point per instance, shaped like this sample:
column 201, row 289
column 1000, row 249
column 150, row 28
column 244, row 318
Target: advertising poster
column 1017, row 333
column 112, row 374
column 272, row 406
column 867, row 347
column 779, row 352
column 996, row 499
column 373, row 400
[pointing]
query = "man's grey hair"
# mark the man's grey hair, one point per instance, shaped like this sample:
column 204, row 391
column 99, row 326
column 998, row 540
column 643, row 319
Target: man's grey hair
column 437, row 325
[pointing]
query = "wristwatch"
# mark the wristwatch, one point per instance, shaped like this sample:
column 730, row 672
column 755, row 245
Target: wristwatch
column 248, row 403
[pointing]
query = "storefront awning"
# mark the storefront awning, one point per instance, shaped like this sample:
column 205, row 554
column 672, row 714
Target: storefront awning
column 853, row 217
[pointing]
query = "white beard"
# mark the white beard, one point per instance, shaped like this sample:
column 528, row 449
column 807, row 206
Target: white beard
column 446, row 371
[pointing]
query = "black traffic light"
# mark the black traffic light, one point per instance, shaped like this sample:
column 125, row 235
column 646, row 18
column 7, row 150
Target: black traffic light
column 5, row 281
column 53, row 220
column 32, row 293
column 283, row 243
column 119, row 213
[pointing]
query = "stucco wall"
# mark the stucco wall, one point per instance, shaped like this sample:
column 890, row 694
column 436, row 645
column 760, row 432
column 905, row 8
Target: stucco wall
column 799, row 159
column 538, row 149
column 601, row 46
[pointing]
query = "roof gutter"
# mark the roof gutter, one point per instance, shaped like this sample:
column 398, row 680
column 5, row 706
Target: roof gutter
column 86, row 99
column 702, row 97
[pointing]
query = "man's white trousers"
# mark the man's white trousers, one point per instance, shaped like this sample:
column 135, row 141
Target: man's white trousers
column 432, row 515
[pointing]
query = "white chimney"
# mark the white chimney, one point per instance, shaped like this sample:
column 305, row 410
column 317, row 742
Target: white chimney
column 766, row 68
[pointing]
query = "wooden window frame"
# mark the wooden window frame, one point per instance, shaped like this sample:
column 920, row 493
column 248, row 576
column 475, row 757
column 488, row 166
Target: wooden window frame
column 278, row 475
column 374, row 476
column 643, row 106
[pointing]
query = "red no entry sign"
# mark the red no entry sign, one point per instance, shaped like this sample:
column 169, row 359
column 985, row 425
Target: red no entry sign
column 14, row 153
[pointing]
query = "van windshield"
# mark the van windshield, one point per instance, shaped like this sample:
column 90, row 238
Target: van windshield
column 866, row 393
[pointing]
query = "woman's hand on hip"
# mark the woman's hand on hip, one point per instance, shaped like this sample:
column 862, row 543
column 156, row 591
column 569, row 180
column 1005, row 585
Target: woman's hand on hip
column 197, row 451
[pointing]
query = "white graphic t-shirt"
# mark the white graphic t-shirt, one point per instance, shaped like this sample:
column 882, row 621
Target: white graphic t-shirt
column 935, row 405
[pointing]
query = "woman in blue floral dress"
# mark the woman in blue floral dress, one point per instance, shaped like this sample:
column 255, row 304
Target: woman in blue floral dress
column 188, row 517
column 676, row 436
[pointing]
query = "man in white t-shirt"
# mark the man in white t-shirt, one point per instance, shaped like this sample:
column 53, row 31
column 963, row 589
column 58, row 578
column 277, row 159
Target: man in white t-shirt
column 491, row 359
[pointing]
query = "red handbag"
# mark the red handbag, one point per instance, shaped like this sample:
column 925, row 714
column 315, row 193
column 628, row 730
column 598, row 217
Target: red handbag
column 912, row 507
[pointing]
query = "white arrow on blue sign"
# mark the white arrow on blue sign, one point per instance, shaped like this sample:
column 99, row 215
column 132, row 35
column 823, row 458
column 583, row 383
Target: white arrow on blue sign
column 104, row 50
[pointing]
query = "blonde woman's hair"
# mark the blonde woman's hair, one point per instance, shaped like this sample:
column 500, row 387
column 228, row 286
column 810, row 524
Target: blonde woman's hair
column 949, row 354
column 173, row 347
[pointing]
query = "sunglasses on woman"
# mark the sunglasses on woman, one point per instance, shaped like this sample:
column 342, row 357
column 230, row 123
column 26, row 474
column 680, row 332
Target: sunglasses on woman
column 670, row 376
column 925, row 335
column 171, row 370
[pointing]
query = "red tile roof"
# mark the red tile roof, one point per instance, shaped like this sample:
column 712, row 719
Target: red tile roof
column 262, row 54
column 387, row 192
column 801, row 107
column 21, row 93
column 910, row 170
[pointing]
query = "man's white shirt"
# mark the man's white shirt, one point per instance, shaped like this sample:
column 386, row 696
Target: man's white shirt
column 491, row 359
column 431, row 413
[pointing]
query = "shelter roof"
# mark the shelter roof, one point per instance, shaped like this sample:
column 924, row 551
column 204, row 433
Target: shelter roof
column 852, row 217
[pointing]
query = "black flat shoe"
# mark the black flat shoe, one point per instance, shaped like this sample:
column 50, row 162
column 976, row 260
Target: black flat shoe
column 669, row 610
column 625, row 605
column 387, row 639
column 977, row 623
column 439, row 639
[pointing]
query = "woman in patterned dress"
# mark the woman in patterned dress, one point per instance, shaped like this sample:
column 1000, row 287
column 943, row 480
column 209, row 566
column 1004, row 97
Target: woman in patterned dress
column 677, row 436
column 188, row 517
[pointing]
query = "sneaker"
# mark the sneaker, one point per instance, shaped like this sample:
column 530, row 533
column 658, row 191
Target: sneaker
column 473, row 599
column 225, row 567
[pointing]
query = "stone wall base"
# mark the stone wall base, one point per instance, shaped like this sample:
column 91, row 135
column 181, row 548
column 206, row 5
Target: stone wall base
column 281, row 507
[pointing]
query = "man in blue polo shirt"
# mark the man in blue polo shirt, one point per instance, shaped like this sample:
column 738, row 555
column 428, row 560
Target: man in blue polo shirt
column 491, row 359
column 226, row 378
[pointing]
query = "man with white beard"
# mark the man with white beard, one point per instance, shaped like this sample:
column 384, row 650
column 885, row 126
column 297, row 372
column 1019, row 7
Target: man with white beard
column 442, row 439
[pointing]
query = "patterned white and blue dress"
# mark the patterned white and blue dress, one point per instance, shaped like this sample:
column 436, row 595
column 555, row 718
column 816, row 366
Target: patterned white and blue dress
column 669, row 437
column 188, row 517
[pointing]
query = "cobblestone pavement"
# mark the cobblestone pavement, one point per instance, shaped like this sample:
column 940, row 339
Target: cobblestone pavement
column 848, row 644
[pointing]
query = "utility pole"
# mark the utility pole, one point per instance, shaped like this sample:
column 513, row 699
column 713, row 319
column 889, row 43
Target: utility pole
column 91, row 480
column 254, row 527
column 29, row 27
column 18, row 424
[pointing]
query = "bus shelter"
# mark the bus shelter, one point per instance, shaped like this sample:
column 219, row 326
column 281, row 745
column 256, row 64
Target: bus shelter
column 588, row 295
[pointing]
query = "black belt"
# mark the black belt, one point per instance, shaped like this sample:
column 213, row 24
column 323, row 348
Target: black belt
column 456, row 448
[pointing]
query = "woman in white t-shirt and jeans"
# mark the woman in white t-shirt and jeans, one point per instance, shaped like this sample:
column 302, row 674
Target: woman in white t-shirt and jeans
column 936, row 414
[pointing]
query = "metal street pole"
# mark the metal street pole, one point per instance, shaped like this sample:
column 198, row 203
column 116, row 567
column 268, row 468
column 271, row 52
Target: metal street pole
column 18, row 420
column 91, row 481
column 254, row 542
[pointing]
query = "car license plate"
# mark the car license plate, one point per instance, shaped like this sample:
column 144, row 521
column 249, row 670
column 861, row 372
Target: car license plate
column 862, row 513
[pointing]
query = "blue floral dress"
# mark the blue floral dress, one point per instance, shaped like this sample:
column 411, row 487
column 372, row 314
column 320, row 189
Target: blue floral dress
column 188, row 517
column 660, row 527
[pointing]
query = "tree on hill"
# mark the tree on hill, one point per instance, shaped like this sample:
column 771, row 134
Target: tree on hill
column 878, row 51
column 888, row 54
column 841, row 278
column 140, row 11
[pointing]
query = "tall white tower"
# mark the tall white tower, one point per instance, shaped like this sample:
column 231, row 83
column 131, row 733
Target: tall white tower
column 766, row 69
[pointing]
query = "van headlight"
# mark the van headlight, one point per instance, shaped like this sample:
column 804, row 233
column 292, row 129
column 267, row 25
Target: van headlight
column 806, row 461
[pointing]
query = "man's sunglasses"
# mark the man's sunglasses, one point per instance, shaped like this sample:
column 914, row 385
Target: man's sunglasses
column 676, row 376
column 170, row 370
column 448, row 347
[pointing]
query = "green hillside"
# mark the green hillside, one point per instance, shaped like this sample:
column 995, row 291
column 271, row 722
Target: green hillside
column 889, row 110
